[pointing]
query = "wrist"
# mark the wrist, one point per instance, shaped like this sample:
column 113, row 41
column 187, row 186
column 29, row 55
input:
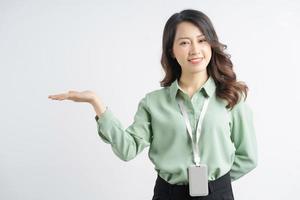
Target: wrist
column 95, row 100
column 98, row 106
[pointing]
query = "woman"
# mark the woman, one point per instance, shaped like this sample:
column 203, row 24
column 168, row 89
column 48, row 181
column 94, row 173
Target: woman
column 198, row 126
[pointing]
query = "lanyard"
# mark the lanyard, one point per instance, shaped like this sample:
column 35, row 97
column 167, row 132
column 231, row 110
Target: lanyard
column 198, row 129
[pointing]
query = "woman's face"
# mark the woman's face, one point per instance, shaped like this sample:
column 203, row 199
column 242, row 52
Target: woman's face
column 190, row 48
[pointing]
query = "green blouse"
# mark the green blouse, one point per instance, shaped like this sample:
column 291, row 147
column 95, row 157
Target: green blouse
column 227, row 141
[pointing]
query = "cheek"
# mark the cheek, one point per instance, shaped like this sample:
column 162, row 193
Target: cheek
column 180, row 59
column 180, row 53
column 208, row 51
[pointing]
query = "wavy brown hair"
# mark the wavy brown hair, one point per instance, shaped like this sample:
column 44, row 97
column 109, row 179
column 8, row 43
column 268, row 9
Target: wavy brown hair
column 220, row 67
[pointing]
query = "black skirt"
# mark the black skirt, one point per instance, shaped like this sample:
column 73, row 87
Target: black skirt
column 219, row 189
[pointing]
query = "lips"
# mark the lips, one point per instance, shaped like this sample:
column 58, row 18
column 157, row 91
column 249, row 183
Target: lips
column 195, row 60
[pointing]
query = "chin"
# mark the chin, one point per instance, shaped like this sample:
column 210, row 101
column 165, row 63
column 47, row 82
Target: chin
column 199, row 69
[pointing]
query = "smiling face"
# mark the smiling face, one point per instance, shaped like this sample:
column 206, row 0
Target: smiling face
column 190, row 48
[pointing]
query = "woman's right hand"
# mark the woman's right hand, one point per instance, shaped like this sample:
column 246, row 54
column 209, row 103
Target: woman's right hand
column 84, row 96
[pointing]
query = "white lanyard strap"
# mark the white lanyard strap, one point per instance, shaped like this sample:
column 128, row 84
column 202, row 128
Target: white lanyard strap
column 198, row 129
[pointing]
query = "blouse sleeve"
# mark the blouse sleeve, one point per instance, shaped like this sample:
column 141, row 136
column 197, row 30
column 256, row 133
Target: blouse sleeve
column 126, row 143
column 244, row 139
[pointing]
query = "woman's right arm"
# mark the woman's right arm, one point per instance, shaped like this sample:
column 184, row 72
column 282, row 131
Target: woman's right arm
column 126, row 142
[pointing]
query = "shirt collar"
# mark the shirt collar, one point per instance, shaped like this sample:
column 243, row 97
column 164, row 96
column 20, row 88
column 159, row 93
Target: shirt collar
column 209, row 87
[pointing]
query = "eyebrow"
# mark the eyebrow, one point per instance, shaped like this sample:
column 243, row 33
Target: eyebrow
column 188, row 37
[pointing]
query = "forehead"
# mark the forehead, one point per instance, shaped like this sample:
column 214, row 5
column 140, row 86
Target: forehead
column 187, row 29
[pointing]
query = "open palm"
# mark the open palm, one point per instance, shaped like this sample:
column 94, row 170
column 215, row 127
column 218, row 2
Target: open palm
column 84, row 96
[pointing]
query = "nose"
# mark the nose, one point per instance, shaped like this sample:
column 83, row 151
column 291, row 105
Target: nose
column 195, row 49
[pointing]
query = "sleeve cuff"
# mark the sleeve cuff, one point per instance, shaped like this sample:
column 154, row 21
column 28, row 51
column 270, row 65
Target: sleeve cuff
column 104, row 122
column 97, row 118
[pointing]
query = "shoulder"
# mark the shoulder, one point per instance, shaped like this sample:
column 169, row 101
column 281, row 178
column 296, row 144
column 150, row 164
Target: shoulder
column 242, row 107
column 157, row 93
column 155, row 98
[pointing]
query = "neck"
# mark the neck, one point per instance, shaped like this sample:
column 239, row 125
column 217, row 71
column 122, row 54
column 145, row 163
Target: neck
column 192, row 82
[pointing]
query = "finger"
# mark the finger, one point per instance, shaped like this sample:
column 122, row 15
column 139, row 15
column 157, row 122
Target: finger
column 58, row 97
column 51, row 97
column 55, row 98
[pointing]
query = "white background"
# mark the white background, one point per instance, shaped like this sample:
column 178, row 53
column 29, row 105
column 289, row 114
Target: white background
column 51, row 149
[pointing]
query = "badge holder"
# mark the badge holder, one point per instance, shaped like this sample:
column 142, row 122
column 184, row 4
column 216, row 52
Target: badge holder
column 198, row 181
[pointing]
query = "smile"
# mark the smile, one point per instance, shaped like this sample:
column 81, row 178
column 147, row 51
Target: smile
column 195, row 60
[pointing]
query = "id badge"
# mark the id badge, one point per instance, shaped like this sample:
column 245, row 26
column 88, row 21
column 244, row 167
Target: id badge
column 198, row 181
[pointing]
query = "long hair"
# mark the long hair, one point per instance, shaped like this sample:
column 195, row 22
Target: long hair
column 220, row 67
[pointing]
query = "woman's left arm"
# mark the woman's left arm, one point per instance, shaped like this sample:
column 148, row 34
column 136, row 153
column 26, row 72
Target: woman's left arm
column 244, row 139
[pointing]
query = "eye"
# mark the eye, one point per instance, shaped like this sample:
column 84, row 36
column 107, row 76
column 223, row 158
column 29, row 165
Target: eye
column 202, row 40
column 183, row 43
